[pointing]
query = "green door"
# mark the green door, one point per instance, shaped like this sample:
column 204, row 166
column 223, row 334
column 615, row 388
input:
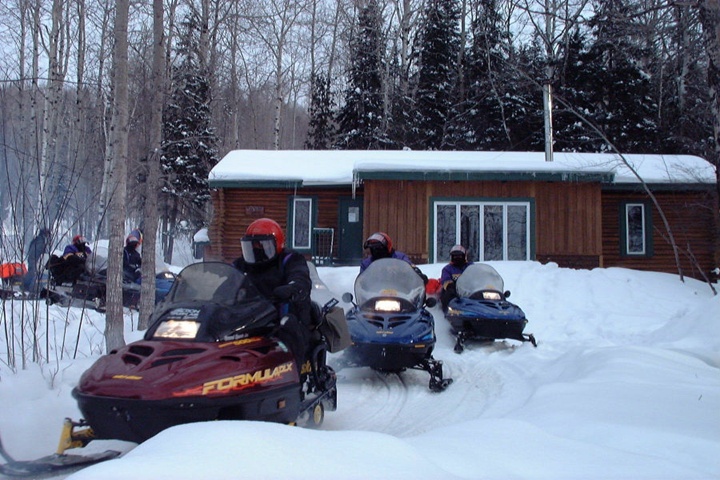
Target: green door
column 350, row 240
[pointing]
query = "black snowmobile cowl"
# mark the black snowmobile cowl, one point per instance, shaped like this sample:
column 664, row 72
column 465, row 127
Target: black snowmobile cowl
column 390, row 327
column 210, row 353
column 481, row 311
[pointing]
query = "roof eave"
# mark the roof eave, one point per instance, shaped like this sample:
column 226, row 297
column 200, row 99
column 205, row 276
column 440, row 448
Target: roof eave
column 452, row 175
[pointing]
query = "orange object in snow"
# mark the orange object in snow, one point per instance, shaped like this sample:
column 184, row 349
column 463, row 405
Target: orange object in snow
column 13, row 269
column 433, row 287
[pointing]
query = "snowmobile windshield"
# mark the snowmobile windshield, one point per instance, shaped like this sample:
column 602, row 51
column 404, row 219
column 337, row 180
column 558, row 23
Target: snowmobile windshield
column 479, row 277
column 389, row 284
column 209, row 282
column 208, row 302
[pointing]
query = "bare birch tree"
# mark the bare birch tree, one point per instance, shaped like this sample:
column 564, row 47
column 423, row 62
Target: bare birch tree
column 274, row 22
column 151, row 220
column 114, row 331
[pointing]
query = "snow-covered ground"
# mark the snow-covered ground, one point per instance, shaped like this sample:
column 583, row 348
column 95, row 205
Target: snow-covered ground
column 624, row 384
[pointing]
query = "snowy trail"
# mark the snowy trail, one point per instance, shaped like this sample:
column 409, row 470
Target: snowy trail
column 624, row 380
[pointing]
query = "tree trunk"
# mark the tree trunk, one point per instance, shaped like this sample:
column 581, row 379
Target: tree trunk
column 114, row 332
column 147, row 295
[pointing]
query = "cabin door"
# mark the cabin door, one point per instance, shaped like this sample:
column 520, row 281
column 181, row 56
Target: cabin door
column 350, row 240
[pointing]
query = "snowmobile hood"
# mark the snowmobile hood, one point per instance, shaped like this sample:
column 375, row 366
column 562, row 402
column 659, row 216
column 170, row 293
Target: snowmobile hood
column 157, row 370
column 488, row 309
column 390, row 297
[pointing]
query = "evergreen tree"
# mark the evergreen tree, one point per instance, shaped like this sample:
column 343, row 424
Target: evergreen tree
column 682, row 76
column 484, row 108
column 439, row 47
column 321, row 125
column 502, row 105
column 189, row 141
column 401, row 104
column 571, row 133
column 523, row 100
column 623, row 104
column 362, row 119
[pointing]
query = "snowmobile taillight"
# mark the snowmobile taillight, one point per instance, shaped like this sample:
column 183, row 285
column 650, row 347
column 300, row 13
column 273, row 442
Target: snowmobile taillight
column 387, row 306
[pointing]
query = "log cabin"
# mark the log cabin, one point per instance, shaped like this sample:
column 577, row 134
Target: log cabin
column 581, row 210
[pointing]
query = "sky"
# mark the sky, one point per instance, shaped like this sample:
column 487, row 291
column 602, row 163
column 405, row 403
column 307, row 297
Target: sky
column 624, row 384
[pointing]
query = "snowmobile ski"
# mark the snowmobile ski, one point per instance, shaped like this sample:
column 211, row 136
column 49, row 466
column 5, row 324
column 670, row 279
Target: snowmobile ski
column 58, row 461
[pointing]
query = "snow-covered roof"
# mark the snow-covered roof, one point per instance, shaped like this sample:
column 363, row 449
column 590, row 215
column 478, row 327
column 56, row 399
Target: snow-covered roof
column 340, row 167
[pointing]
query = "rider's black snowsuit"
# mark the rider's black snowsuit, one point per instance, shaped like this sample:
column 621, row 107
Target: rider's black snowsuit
column 132, row 261
column 286, row 276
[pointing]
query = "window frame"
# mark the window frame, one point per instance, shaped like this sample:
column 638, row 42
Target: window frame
column 293, row 200
column 482, row 202
column 624, row 224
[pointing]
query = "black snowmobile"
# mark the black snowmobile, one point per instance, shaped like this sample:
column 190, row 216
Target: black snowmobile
column 390, row 327
column 481, row 311
column 86, row 285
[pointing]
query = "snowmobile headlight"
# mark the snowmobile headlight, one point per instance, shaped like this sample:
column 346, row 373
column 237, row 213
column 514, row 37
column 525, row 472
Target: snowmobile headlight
column 491, row 296
column 182, row 329
column 387, row 306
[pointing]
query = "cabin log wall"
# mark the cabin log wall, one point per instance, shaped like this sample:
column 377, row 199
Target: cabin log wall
column 568, row 215
column 691, row 222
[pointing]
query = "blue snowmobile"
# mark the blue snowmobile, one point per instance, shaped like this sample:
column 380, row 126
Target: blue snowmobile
column 390, row 328
column 481, row 311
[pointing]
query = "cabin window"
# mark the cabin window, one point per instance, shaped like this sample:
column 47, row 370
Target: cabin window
column 490, row 230
column 635, row 228
column 301, row 223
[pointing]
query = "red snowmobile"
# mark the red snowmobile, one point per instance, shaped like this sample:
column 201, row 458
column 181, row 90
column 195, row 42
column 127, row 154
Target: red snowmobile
column 211, row 353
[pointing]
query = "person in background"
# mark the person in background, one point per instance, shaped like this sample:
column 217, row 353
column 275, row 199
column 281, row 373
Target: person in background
column 380, row 246
column 132, row 260
column 71, row 266
column 283, row 277
column 36, row 250
column 451, row 272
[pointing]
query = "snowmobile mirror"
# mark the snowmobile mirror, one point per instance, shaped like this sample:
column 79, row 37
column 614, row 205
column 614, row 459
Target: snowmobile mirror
column 347, row 297
column 507, row 293
column 430, row 302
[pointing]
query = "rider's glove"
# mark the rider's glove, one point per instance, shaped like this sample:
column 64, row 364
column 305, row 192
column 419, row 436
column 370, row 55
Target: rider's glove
column 285, row 292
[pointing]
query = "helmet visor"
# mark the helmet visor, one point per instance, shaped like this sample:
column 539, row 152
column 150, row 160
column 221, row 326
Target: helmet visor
column 258, row 248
